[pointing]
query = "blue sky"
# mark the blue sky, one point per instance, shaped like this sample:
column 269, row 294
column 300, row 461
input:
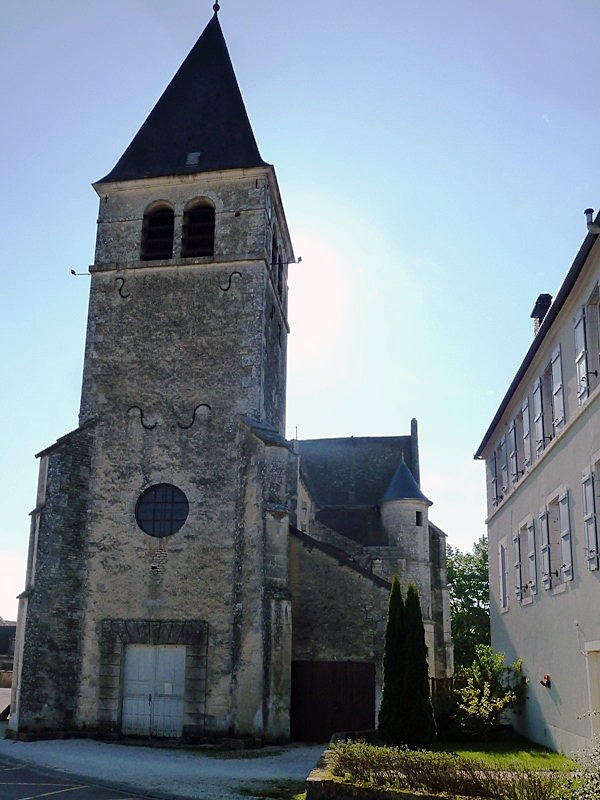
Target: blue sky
column 434, row 161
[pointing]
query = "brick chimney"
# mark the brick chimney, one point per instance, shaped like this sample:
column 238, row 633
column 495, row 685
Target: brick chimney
column 540, row 309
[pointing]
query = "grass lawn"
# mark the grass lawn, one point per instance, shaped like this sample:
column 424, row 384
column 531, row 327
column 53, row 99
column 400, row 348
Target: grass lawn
column 513, row 769
column 512, row 754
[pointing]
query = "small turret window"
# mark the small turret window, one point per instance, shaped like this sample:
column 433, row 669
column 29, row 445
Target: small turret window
column 157, row 233
column 198, row 237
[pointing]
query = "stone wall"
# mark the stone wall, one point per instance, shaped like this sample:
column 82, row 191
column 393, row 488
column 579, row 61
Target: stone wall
column 443, row 656
column 179, row 352
column 338, row 613
column 50, row 660
column 189, row 330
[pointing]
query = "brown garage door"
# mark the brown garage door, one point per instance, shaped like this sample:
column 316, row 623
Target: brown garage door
column 331, row 696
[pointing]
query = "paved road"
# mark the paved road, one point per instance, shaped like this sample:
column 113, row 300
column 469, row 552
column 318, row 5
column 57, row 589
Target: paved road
column 21, row 782
column 76, row 766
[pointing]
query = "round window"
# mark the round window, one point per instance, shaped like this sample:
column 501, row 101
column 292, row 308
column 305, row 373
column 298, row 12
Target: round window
column 161, row 510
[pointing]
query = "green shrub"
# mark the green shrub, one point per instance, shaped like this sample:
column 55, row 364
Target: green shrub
column 490, row 687
column 418, row 770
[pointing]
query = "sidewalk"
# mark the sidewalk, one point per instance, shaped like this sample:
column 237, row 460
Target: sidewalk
column 185, row 774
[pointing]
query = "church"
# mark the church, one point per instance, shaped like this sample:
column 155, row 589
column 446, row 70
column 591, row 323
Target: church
column 193, row 574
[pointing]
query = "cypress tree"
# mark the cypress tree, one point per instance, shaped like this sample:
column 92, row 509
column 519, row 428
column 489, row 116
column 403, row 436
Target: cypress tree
column 390, row 712
column 419, row 721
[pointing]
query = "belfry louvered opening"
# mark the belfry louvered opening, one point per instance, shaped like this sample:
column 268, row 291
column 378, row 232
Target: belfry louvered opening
column 198, row 235
column 157, row 233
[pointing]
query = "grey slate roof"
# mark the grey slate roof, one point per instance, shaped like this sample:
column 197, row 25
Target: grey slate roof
column 403, row 486
column 361, row 524
column 352, row 471
column 200, row 111
column 347, row 479
column 66, row 438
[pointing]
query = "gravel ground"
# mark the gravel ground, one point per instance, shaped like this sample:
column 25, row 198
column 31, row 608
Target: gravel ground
column 171, row 772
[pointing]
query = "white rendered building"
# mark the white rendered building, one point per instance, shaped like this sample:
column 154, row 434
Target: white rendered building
column 542, row 454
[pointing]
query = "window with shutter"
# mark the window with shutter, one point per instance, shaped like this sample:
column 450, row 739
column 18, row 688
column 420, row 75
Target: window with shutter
column 503, row 576
column 538, row 416
column 566, row 568
column 526, row 434
column 503, row 465
column 545, row 549
column 494, row 478
column 558, row 403
column 512, row 452
column 531, row 558
column 517, row 565
column 157, row 233
column 198, row 232
column 592, row 335
column 589, row 520
column 581, row 358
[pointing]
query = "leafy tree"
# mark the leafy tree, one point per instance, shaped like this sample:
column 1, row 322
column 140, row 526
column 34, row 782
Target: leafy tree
column 469, row 600
column 419, row 722
column 394, row 660
column 491, row 688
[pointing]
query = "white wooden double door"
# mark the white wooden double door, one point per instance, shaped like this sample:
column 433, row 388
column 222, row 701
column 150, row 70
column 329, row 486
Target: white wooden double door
column 153, row 690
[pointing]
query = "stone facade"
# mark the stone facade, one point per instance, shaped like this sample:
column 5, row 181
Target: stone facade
column 352, row 541
column 188, row 628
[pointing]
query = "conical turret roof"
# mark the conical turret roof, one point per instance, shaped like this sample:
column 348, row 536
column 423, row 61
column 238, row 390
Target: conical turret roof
column 403, row 486
column 199, row 124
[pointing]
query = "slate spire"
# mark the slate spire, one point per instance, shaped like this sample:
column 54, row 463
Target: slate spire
column 403, row 486
column 199, row 124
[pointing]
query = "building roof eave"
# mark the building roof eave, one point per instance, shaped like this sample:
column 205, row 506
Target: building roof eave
column 64, row 439
column 559, row 301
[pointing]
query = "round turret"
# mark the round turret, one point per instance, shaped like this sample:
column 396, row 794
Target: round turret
column 404, row 514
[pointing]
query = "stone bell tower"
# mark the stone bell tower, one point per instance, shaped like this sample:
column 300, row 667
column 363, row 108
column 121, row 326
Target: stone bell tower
column 156, row 600
column 189, row 299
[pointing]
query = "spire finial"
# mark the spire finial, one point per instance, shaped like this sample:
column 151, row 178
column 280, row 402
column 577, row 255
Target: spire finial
column 216, row 7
